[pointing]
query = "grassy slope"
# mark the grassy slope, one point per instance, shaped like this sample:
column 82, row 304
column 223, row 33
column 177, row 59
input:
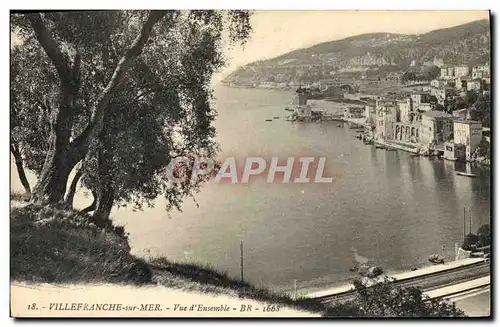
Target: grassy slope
column 61, row 246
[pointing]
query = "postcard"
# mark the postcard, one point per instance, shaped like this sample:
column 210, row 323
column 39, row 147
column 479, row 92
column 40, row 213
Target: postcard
column 250, row 164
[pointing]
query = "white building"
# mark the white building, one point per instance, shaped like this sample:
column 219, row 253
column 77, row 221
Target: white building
column 474, row 84
column 461, row 71
column 418, row 99
column 385, row 120
column 405, row 108
column 467, row 133
column 437, row 127
column 425, row 106
column 438, row 83
column 371, row 115
column 481, row 71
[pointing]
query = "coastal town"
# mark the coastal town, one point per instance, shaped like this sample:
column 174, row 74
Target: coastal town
column 439, row 117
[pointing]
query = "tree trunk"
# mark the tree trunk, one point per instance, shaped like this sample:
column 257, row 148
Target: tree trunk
column 72, row 189
column 20, row 169
column 104, row 205
column 106, row 192
column 52, row 181
column 60, row 160
column 62, row 155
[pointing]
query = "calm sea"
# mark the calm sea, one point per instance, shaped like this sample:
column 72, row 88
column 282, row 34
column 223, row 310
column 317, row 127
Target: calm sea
column 391, row 208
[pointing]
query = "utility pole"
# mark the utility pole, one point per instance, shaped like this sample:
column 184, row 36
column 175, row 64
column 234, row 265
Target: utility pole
column 470, row 220
column 295, row 288
column 241, row 259
column 464, row 223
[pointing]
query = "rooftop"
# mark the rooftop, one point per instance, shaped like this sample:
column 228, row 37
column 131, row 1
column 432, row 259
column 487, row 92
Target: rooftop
column 467, row 122
column 437, row 114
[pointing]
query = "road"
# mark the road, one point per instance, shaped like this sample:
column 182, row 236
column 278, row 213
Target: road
column 427, row 282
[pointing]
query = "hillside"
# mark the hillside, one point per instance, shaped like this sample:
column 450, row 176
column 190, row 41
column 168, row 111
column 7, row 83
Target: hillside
column 374, row 55
column 58, row 255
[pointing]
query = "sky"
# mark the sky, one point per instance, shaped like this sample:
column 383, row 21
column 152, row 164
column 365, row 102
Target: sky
column 278, row 32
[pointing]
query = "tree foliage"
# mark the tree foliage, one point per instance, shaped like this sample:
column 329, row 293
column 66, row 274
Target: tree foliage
column 431, row 72
column 31, row 93
column 481, row 109
column 470, row 242
column 481, row 238
column 386, row 300
column 484, row 234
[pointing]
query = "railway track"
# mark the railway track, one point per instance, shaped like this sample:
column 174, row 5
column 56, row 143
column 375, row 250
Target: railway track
column 426, row 282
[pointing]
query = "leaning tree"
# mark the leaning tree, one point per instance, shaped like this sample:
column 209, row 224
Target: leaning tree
column 131, row 92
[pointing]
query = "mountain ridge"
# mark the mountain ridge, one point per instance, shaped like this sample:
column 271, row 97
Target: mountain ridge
column 467, row 43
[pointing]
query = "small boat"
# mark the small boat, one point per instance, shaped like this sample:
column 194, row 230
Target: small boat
column 269, row 120
column 340, row 125
column 379, row 146
column 414, row 155
column 466, row 174
column 276, row 117
column 288, row 109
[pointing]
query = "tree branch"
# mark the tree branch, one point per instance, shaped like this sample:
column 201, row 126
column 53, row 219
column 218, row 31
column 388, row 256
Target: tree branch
column 49, row 45
column 82, row 142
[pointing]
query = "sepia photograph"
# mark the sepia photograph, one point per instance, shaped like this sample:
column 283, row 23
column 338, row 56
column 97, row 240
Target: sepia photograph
column 217, row 163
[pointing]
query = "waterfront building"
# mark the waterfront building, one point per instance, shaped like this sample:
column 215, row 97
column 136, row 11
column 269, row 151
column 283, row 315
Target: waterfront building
column 385, row 120
column 299, row 103
column 408, row 132
column 323, row 105
column 436, row 128
column 405, row 110
column 467, row 135
column 353, row 112
column 301, row 98
column 370, row 114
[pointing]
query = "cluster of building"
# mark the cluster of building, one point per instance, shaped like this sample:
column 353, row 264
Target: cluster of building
column 419, row 121
column 414, row 124
column 462, row 78
column 414, row 121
